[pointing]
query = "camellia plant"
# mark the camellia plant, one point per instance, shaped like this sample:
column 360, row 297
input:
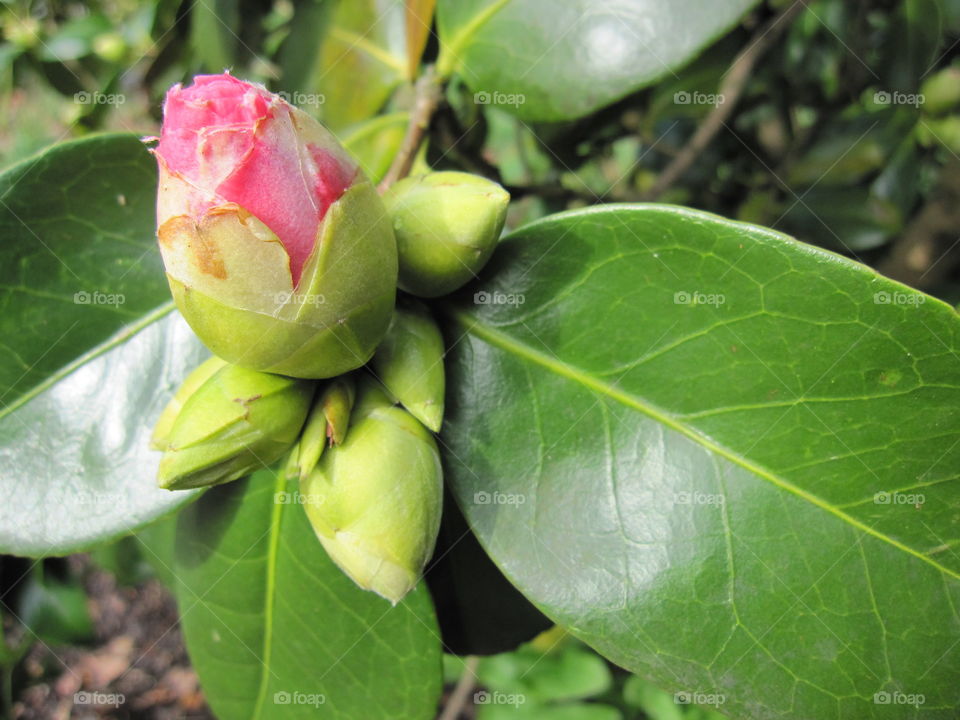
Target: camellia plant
column 368, row 404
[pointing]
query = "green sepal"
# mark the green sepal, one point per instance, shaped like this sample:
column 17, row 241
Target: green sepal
column 327, row 423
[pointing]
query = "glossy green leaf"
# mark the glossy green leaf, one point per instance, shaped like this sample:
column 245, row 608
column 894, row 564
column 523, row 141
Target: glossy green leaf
column 90, row 351
column 55, row 611
column 276, row 630
column 418, row 21
column 494, row 707
column 725, row 459
column 562, row 674
column 361, row 60
column 374, row 143
column 557, row 60
column 214, row 25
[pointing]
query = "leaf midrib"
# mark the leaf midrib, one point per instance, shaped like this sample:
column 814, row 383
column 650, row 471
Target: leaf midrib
column 503, row 341
column 276, row 515
column 118, row 338
column 360, row 42
column 450, row 53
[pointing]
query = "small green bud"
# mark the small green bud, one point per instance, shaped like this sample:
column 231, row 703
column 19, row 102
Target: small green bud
column 375, row 501
column 202, row 373
column 447, row 225
column 941, row 91
column 236, row 421
column 409, row 363
column 327, row 422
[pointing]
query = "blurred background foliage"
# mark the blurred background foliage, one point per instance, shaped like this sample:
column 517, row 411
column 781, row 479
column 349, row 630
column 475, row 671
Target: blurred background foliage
column 846, row 135
column 847, row 132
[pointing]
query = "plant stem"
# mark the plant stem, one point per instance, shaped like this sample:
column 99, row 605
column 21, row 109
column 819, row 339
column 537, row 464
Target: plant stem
column 426, row 99
column 461, row 691
column 731, row 88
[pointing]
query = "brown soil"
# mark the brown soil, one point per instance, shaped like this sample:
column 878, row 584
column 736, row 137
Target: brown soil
column 137, row 667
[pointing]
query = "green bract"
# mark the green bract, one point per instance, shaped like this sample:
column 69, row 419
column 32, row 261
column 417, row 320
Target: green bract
column 327, row 423
column 375, row 501
column 233, row 422
column 447, row 225
column 409, row 363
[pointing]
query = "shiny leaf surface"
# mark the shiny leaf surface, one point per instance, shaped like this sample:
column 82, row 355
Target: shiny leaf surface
column 725, row 459
column 91, row 350
column 557, row 60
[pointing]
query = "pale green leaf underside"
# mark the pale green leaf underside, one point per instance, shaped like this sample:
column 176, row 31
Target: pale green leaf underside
column 91, row 351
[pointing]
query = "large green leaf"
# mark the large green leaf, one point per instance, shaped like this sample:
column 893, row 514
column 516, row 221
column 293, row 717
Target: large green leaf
column 561, row 59
column 352, row 53
column 91, row 353
column 725, row 459
column 277, row 631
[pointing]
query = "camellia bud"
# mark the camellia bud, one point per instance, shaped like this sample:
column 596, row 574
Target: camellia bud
column 235, row 422
column 375, row 500
column 202, row 373
column 278, row 250
column 327, row 422
column 447, row 225
column 409, row 363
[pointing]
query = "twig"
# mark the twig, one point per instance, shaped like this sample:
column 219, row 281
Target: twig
column 426, row 98
column 731, row 88
column 461, row 691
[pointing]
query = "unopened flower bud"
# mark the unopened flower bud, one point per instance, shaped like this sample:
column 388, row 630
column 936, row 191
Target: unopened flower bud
column 447, row 225
column 375, row 501
column 277, row 249
column 202, row 373
column 327, row 423
column 235, row 422
column 409, row 363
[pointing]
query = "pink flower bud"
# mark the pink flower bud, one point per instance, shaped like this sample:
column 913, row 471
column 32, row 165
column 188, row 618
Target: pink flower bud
column 230, row 141
column 257, row 207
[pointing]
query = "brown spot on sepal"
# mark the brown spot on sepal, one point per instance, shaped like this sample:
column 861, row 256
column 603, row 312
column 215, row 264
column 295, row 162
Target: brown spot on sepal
column 207, row 254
